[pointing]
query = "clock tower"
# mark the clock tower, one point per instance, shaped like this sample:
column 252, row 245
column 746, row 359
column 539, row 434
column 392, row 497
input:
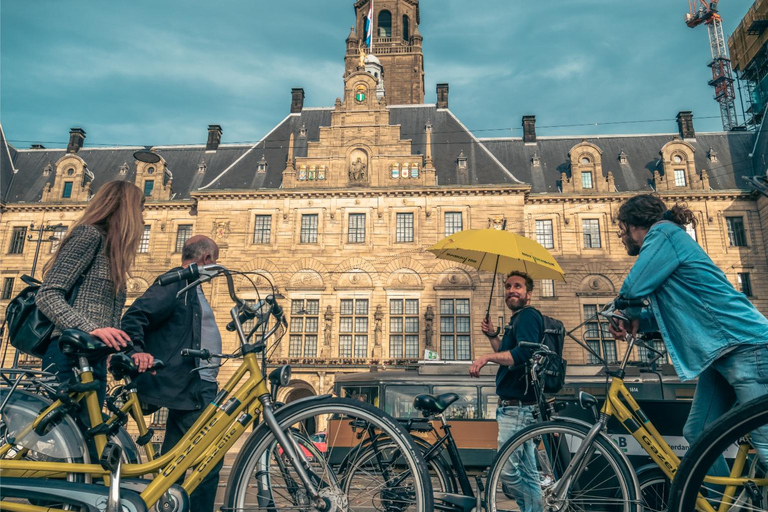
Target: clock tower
column 397, row 44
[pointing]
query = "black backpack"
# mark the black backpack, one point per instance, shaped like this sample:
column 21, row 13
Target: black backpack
column 29, row 330
column 553, row 370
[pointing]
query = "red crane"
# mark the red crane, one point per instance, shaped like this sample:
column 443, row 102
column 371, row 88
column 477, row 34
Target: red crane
column 702, row 12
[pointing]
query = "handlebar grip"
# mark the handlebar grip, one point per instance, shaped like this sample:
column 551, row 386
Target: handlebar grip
column 174, row 276
column 243, row 317
column 157, row 365
column 621, row 303
column 190, row 352
column 528, row 344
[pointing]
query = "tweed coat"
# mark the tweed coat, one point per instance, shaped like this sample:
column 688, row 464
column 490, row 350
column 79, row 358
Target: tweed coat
column 97, row 304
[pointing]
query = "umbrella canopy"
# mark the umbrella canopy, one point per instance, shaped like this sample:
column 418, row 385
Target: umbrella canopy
column 498, row 251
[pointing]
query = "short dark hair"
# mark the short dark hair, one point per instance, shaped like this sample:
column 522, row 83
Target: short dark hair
column 195, row 250
column 528, row 280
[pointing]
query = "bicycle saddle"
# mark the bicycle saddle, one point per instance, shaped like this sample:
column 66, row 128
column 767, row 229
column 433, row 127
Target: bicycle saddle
column 430, row 404
column 74, row 342
column 122, row 366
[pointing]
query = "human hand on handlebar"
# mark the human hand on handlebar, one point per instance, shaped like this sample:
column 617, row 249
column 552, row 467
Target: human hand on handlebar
column 112, row 337
column 620, row 327
column 143, row 361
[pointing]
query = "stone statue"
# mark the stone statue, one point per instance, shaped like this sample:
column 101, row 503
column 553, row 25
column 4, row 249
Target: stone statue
column 328, row 323
column 378, row 316
column 362, row 57
column 429, row 320
column 357, row 170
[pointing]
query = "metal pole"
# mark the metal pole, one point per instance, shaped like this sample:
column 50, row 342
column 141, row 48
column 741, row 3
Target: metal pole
column 37, row 248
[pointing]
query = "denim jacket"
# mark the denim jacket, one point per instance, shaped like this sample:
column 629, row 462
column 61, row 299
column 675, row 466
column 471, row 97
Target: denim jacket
column 697, row 310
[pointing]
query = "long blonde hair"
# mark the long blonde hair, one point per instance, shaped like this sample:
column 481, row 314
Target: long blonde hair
column 116, row 211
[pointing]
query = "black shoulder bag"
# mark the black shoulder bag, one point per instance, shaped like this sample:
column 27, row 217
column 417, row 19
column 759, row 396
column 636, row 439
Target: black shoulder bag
column 29, row 330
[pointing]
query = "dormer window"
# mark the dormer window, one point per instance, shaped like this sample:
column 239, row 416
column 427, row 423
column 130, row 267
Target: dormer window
column 535, row 160
column 66, row 193
column 124, row 168
column 586, row 179
column 261, row 167
column 70, row 171
column 149, row 186
column 680, row 178
column 623, row 158
column 712, row 155
column 677, row 159
column 150, row 170
column 586, row 161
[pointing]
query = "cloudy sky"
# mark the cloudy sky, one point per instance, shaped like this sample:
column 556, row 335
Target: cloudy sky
column 149, row 72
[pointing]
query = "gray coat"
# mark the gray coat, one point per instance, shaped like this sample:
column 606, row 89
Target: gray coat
column 97, row 304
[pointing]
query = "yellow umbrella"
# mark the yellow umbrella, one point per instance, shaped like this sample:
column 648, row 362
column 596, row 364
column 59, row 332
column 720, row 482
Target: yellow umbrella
column 498, row 251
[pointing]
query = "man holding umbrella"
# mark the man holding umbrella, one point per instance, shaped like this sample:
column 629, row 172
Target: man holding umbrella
column 517, row 399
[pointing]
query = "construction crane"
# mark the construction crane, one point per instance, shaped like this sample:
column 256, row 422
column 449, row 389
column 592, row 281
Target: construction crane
column 702, row 12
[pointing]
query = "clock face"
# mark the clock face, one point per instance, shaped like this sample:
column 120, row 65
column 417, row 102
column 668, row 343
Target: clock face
column 360, row 91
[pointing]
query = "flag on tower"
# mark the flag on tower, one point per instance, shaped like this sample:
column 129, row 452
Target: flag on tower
column 369, row 25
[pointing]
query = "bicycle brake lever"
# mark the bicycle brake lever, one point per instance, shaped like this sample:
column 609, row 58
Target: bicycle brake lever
column 201, row 280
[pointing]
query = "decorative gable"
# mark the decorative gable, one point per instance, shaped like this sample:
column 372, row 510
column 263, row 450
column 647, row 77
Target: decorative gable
column 154, row 180
column 72, row 181
column 586, row 171
column 679, row 168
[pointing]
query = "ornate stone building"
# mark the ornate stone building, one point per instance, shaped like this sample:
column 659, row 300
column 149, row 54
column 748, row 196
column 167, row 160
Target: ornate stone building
column 336, row 207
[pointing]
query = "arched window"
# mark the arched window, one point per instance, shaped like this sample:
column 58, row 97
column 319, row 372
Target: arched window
column 385, row 24
column 406, row 28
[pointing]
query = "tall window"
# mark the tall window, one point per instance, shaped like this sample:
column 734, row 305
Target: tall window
column 453, row 223
column 454, row 330
column 56, row 237
column 144, row 243
column 7, row 288
column 353, row 328
column 309, row 229
column 356, row 233
column 586, row 179
column 591, row 230
column 67, row 191
column 404, row 328
column 690, row 230
column 17, row 240
column 597, row 336
column 745, row 283
column 544, row 233
column 736, row 235
column 547, row 288
column 385, row 24
column 305, row 319
column 679, row 177
column 149, row 185
column 404, row 229
column 262, row 229
column 406, row 28
column 183, row 233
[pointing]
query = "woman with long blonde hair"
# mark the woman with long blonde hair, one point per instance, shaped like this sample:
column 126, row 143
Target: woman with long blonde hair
column 97, row 252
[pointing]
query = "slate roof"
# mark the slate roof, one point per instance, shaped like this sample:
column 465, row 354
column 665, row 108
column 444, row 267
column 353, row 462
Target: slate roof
column 489, row 161
column 643, row 157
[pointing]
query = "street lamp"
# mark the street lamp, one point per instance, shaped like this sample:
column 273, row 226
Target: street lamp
column 40, row 240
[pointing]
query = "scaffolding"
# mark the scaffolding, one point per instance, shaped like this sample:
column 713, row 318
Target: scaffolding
column 748, row 47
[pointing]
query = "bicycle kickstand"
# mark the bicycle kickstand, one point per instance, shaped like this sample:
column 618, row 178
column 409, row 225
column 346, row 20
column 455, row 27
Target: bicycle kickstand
column 111, row 460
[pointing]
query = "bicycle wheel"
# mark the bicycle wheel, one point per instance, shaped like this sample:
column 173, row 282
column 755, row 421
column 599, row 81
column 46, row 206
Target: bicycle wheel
column 440, row 472
column 721, row 439
column 654, row 489
column 526, row 470
column 263, row 480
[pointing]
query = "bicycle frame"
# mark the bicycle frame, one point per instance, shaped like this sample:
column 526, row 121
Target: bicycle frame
column 634, row 420
column 207, row 441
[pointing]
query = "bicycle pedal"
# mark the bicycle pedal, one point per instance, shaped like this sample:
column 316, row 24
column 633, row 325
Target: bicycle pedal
column 480, row 486
column 110, row 457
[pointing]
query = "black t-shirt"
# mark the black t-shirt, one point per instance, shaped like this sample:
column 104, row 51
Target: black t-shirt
column 512, row 381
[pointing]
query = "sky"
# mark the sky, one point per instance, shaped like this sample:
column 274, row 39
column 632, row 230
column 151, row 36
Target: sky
column 150, row 72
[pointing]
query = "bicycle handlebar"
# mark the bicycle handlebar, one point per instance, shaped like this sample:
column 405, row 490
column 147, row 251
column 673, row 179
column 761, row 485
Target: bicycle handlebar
column 174, row 276
column 621, row 303
column 537, row 347
column 190, row 352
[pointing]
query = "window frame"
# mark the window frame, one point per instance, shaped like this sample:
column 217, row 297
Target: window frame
column 587, row 181
column 18, row 240
column 146, row 236
column 257, row 229
column 354, row 330
column 584, row 234
column 454, row 334
column 745, row 283
column 402, row 337
column 304, row 336
column 735, row 237
column 681, row 180
column 178, row 248
column 544, row 235
column 405, row 215
column 449, row 227
column 66, row 189
column 7, row 292
column 309, row 232
column 355, row 231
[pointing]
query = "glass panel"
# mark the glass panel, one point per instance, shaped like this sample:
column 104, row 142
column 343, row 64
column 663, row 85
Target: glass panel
column 399, row 400
column 411, row 325
column 361, row 307
column 313, row 307
column 412, row 306
column 396, row 306
column 311, row 324
column 462, row 306
column 446, row 306
column 466, row 407
column 395, row 324
column 346, row 306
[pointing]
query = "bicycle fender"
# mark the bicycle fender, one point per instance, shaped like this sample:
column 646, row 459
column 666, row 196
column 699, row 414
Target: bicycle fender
column 618, row 452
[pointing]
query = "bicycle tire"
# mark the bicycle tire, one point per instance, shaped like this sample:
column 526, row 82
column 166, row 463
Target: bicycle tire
column 605, row 466
column 256, row 482
column 654, row 489
column 715, row 439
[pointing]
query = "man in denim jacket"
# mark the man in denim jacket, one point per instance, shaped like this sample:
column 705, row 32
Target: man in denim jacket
column 711, row 331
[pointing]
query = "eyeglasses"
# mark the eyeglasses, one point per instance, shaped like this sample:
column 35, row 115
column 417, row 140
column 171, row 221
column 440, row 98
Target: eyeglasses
column 622, row 231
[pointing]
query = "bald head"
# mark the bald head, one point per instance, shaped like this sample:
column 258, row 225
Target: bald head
column 201, row 250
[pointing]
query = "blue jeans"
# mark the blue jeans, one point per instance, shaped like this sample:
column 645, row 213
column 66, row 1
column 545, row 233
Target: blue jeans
column 737, row 377
column 519, row 476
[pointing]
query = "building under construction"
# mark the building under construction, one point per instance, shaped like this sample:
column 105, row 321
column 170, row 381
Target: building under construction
column 748, row 48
